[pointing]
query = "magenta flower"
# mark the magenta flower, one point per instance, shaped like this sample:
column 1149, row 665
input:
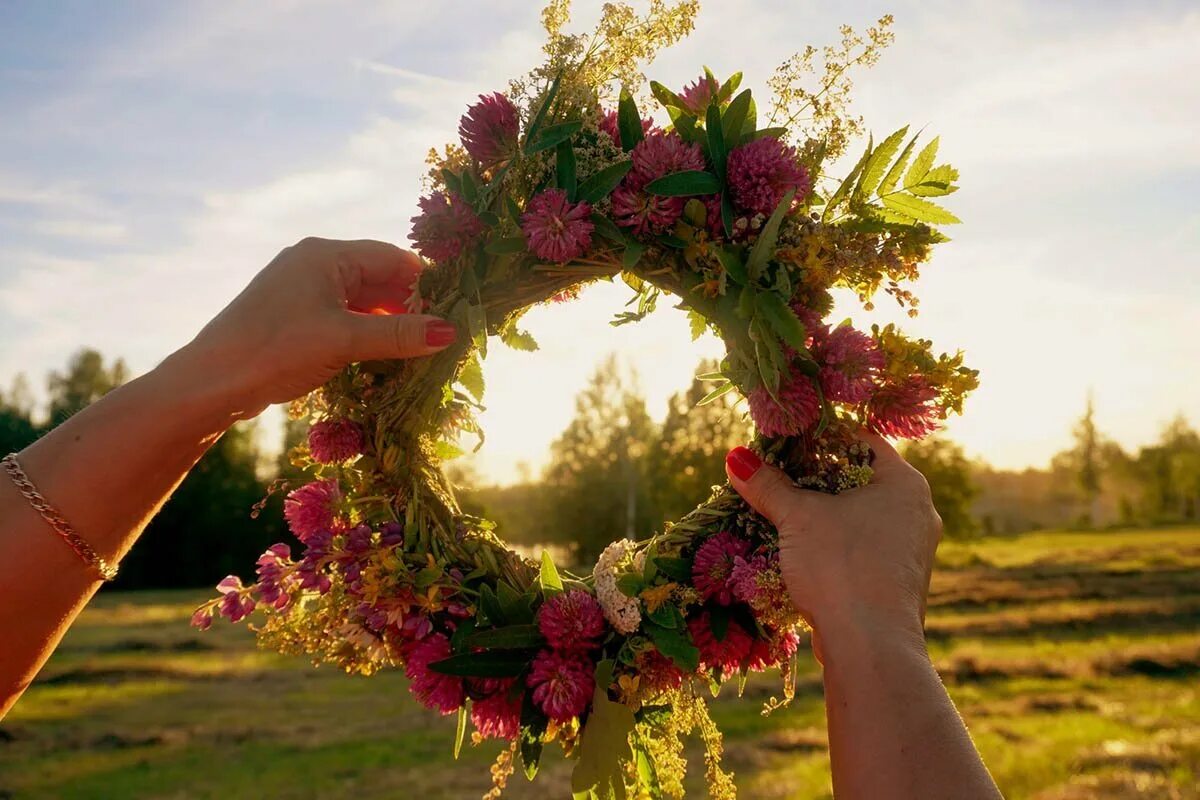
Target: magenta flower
column 744, row 575
column 203, row 618
column 712, row 570
column 657, row 155
column 332, row 441
column 797, row 410
column 444, row 693
column 659, row 673
column 271, row 576
column 556, row 229
column 852, row 362
column 236, row 604
column 489, row 129
column 498, row 715
column 697, row 96
column 761, row 172
column 726, row 654
column 311, row 509
column 571, row 620
column 766, row 653
column 562, row 684
column 445, row 226
column 904, row 410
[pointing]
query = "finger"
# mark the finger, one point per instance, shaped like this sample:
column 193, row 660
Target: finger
column 768, row 490
column 384, row 336
column 378, row 275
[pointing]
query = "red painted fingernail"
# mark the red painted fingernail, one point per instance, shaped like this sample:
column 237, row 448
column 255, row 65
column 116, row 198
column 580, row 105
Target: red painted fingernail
column 743, row 463
column 440, row 333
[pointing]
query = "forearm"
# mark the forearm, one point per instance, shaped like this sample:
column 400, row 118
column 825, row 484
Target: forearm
column 107, row 470
column 894, row 733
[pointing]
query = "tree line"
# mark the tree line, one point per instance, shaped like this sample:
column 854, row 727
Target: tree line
column 614, row 472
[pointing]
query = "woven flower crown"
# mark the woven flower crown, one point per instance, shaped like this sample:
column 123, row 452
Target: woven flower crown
column 555, row 185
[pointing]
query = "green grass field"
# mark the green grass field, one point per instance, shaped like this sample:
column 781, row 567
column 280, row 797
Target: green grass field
column 1074, row 658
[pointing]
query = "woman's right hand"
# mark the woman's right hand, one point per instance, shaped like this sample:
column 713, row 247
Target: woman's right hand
column 861, row 558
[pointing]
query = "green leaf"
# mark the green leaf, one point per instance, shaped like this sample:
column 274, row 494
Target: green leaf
column 490, row 605
column 536, row 126
column 679, row 569
column 630, row 584
column 685, row 183
column 893, row 174
column 518, row 339
column 716, row 141
column 603, row 743
column 920, row 210
column 510, row 637
column 764, row 245
column 513, row 603
column 777, row 133
column 922, row 164
column 511, row 207
column 665, row 96
column 881, row 157
column 675, row 644
column 471, row 378
column 599, row 185
column 629, row 121
column 937, row 182
column 716, row 394
column 844, row 189
column 553, row 136
column 782, row 319
column 734, row 119
column 462, row 730
column 730, row 86
column 564, row 169
column 470, row 190
column 668, row 616
column 452, row 181
column 633, row 254
column 492, row 664
column 607, row 228
column 548, row 577
column 697, row 323
column 731, row 260
column 718, row 617
column 533, row 727
column 477, row 326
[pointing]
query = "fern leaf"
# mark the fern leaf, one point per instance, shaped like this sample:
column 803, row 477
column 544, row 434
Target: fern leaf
column 920, row 210
column 921, row 164
column 872, row 173
column 893, row 176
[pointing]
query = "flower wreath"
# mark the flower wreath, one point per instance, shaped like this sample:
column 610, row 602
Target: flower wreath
column 552, row 188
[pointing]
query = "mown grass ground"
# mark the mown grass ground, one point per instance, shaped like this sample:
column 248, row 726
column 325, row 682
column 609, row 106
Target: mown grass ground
column 1075, row 659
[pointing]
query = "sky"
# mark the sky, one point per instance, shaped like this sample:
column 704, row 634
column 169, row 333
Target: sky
column 154, row 156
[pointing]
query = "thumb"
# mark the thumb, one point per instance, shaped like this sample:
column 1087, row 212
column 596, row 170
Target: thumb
column 767, row 489
column 384, row 336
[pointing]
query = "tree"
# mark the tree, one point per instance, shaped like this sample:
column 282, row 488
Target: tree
column 1087, row 449
column 85, row 381
column 17, row 428
column 951, row 482
column 689, row 458
column 597, row 480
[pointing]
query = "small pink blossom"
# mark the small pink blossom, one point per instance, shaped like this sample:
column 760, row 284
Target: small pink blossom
column 658, row 154
column 236, row 604
column 498, row 715
column 310, row 510
column 712, row 569
column 332, row 441
column 556, row 229
column 572, row 620
column 444, row 693
column 797, row 409
column 779, row 648
column 904, row 409
column 761, row 173
column 744, row 576
column 852, row 362
column 609, row 124
column 445, row 226
column 203, row 618
column 562, row 684
column 726, row 654
column 698, row 95
column 489, row 129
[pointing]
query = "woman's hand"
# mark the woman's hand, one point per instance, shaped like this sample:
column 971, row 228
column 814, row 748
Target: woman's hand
column 319, row 305
column 863, row 557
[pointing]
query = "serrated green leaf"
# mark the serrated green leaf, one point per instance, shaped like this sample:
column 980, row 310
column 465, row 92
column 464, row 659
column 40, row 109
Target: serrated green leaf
column 552, row 136
column 629, row 121
column 844, row 188
column 937, row 182
column 599, row 185
column 510, row 637
column 873, row 171
column 564, row 169
column 492, row 664
column 471, row 378
column 764, row 245
column 734, row 119
column 922, row 164
column 697, row 323
column 897, row 169
column 782, row 319
column 548, row 577
column 518, row 339
column 920, row 210
column 684, row 184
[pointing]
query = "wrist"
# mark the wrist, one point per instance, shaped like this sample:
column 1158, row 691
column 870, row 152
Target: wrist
column 852, row 632
column 201, row 381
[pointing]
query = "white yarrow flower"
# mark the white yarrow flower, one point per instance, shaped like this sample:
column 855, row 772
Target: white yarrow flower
column 621, row 611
